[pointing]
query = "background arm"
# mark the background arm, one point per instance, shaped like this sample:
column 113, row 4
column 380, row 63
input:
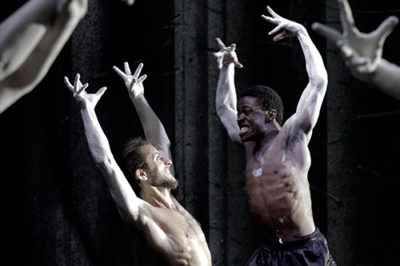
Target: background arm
column 29, row 44
column 362, row 52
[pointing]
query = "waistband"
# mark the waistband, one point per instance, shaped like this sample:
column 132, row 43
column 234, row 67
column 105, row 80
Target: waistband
column 295, row 243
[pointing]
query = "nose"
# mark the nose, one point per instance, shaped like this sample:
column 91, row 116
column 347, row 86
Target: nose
column 167, row 161
column 240, row 117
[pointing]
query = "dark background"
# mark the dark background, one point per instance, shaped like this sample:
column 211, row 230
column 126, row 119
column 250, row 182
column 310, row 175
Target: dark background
column 58, row 208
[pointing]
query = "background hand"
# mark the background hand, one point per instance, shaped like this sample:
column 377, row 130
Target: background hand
column 361, row 51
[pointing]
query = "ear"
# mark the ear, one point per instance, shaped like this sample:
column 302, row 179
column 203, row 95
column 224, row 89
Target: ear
column 270, row 115
column 141, row 175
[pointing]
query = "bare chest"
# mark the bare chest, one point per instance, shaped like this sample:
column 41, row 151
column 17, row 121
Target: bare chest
column 182, row 226
column 272, row 183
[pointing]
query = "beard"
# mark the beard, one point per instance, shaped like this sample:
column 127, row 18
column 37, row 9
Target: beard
column 164, row 181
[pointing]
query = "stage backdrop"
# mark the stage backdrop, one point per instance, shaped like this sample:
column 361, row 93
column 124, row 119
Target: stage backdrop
column 59, row 210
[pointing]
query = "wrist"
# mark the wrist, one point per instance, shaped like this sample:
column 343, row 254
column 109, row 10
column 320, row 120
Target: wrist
column 301, row 30
column 84, row 106
column 228, row 66
column 136, row 97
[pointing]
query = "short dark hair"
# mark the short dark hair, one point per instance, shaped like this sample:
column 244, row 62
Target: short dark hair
column 133, row 155
column 269, row 99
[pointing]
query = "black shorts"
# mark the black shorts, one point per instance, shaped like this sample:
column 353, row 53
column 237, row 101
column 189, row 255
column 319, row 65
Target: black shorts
column 311, row 250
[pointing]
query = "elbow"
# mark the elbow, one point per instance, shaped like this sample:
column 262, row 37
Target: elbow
column 103, row 163
column 320, row 82
column 223, row 110
column 19, row 81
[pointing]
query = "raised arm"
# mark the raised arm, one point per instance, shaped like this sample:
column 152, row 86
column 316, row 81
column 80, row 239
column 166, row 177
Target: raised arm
column 310, row 102
column 152, row 126
column 129, row 205
column 30, row 41
column 362, row 52
column 226, row 99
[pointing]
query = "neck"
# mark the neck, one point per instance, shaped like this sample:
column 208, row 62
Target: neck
column 271, row 130
column 157, row 196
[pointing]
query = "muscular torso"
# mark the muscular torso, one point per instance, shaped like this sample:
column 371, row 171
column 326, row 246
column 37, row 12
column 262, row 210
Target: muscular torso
column 277, row 186
column 177, row 236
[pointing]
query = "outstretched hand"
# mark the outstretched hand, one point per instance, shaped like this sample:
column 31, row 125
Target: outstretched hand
column 289, row 27
column 134, row 83
column 361, row 51
column 226, row 55
column 79, row 92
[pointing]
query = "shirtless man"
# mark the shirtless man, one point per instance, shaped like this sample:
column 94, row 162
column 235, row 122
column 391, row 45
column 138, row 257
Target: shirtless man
column 30, row 41
column 362, row 52
column 167, row 227
column 277, row 156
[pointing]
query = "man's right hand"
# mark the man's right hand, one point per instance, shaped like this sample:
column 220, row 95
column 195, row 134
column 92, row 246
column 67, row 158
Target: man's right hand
column 133, row 83
column 226, row 55
column 85, row 99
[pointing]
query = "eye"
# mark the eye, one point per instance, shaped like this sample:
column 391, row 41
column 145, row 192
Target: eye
column 247, row 112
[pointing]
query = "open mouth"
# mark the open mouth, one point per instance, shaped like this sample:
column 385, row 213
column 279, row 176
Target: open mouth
column 243, row 130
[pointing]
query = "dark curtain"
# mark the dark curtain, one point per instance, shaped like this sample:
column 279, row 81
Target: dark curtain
column 59, row 210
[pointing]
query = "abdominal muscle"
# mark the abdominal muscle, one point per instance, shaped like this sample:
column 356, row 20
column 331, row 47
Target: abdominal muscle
column 279, row 200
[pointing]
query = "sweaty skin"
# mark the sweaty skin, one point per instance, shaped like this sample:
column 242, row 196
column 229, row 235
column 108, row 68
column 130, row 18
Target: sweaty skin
column 167, row 227
column 277, row 157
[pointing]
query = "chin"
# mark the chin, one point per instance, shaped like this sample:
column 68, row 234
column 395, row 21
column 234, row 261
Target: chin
column 245, row 138
column 166, row 181
column 170, row 183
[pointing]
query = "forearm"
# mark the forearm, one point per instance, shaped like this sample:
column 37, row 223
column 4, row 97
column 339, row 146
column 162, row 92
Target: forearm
column 387, row 78
column 119, row 187
column 312, row 96
column 226, row 91
column 152, row 126
column 37, row 64
column 40, row 60
column 309, row 106
column 316, row 71
column 21, row 31
column 226, row 101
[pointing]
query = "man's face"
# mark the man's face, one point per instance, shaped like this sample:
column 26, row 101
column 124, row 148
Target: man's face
column 158, row 171
column 251, row 118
